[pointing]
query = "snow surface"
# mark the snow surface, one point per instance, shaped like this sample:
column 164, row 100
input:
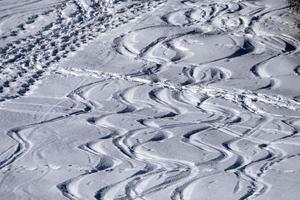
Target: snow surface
column 157, row 99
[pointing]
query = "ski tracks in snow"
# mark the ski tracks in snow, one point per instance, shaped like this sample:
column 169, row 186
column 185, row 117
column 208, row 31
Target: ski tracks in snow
column 159, row 136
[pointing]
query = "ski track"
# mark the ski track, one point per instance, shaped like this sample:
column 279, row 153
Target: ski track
column 157, row 137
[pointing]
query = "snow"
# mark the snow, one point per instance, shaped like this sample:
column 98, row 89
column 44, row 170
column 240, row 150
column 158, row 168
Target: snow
column 157, row 99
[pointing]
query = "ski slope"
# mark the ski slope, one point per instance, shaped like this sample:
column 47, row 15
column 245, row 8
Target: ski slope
column 148, row 100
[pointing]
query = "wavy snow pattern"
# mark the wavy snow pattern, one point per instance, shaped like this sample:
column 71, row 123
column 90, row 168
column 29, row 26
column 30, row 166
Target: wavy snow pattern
column 176, row 127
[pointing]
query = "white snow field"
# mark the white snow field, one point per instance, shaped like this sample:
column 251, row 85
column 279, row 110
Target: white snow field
column 149, row 100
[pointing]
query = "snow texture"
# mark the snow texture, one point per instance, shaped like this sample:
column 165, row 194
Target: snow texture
column 149, row 100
